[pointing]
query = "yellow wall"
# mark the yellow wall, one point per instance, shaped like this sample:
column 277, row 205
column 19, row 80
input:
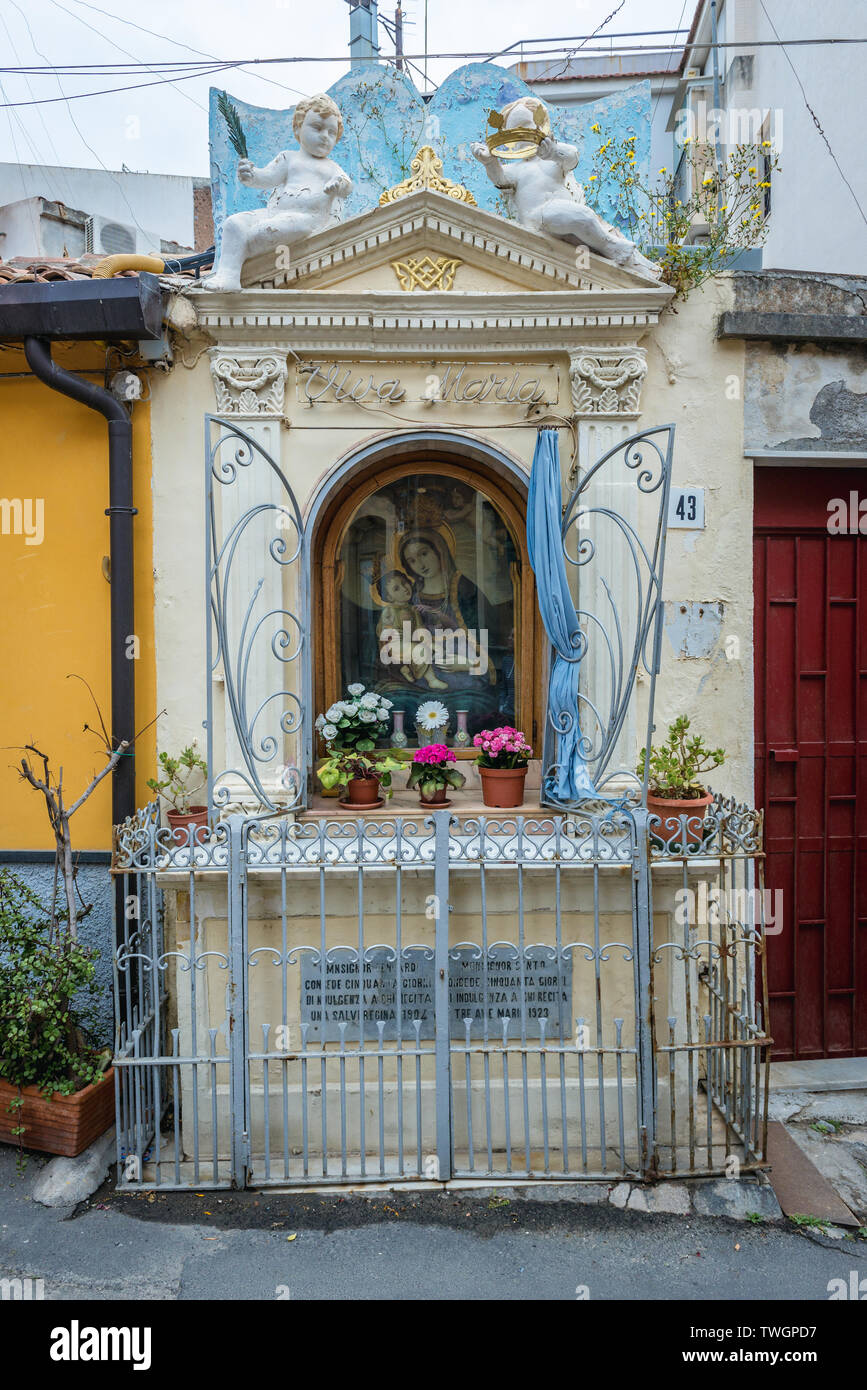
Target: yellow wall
column 54, row 613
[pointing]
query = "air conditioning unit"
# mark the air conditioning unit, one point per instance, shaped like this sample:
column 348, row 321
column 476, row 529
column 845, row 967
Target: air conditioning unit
column 105, row 237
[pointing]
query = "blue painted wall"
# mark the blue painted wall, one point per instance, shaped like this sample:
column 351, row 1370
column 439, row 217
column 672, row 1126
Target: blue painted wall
column 386, row 120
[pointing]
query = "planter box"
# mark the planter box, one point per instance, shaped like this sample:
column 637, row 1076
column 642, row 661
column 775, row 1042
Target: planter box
column 58, row 1124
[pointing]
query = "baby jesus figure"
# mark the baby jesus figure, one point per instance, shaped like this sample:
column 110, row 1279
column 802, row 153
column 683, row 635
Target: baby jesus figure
column 306, row 185
column 396, row 592
column 544, row 195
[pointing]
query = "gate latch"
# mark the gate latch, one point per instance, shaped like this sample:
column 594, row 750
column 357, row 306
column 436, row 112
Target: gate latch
column 785, row 755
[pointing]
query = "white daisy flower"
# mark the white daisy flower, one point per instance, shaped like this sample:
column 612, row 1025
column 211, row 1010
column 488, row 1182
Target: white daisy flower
column 369, row 701
column 329, row 730
column 432, row 714
column 355, row 689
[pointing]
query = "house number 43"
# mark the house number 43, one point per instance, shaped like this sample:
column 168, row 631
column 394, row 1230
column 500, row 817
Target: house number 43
column 686, row 508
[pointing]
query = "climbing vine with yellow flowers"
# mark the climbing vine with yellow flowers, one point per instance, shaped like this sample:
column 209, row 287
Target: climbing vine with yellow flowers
column 693, row 220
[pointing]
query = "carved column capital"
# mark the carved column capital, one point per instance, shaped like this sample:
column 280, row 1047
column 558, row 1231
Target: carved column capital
column 249, row 381
column 607, row 380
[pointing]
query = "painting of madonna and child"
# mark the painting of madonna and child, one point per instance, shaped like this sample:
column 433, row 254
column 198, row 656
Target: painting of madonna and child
column 429, row 597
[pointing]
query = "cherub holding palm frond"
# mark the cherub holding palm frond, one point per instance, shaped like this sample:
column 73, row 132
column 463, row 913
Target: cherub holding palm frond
column 307, row 187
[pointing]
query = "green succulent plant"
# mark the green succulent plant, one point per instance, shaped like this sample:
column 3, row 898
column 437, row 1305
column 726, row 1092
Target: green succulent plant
column 676, row 767
column 179, row 773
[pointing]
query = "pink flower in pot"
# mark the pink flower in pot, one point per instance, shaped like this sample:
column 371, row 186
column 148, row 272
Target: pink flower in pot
column 502, row 762
column 432, row 775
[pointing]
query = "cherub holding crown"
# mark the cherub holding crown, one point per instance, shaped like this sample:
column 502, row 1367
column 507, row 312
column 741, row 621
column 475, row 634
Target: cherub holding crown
column 306, row 183
column 543, row 193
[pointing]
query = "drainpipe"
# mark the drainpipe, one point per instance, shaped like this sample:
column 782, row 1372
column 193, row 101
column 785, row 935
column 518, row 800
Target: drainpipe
column 120, row 512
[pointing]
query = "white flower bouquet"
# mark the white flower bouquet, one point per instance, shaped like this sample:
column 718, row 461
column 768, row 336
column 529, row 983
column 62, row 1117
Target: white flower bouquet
column 355, row 722
column 350, row 729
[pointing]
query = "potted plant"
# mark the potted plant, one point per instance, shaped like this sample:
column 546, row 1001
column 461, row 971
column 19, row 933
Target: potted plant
column 675, row 788
column 502, row 763
column 178, row 785
column 432, row 775
column 55, row 1092
column 363, row 777
column 349, row 729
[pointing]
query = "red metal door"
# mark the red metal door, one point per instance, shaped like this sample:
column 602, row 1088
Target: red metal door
column 811, row 755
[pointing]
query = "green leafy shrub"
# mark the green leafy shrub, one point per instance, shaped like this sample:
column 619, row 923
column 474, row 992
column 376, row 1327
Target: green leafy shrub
column 677, row 765
column 46, row 983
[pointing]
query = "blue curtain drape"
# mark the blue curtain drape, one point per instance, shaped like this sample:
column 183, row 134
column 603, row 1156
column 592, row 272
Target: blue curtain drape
column 570, row 782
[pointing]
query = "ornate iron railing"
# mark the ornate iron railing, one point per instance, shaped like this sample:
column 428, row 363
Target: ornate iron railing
column 623, row 1049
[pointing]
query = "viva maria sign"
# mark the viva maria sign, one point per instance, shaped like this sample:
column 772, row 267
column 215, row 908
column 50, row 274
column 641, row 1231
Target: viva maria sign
column 457, row 383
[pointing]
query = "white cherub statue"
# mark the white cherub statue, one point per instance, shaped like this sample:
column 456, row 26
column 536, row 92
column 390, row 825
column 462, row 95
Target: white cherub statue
column 543, row 193
column 306, row 185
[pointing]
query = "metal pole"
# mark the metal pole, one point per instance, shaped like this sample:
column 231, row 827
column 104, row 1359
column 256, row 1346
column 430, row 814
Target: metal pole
column 441, row 821
column 236, row 1013
column 398, row 39
column 716, row 107
column 643, row 945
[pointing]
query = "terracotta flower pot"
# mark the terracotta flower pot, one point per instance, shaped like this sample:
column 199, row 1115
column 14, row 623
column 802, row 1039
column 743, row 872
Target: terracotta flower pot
column 436, row 798
column 671, row 810
column 362, row 791
column 180, row 820
column 503, row 786
column 58, row 1124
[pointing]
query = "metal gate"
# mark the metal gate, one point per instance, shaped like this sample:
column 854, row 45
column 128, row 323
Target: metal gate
column 330, row 1002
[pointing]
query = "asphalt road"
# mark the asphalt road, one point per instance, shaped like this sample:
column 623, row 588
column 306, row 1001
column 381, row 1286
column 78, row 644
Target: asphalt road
column 261, row 1246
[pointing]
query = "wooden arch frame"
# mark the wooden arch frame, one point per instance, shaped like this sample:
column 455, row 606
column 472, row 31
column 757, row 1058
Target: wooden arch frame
column 510, row 502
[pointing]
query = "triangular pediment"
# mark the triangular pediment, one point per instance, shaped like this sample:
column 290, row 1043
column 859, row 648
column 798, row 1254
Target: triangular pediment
column 428, row 242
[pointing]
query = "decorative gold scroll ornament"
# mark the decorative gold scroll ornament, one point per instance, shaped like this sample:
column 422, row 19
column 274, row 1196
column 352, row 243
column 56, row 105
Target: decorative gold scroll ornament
column 521, row 141
column 427, row 273
column 426, row 172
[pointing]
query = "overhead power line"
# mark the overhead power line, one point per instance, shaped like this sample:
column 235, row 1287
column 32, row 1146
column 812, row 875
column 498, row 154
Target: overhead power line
column 563, row 47
column 186, row 71
column 179, row 44
column 75, row 124
column 149, row 66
